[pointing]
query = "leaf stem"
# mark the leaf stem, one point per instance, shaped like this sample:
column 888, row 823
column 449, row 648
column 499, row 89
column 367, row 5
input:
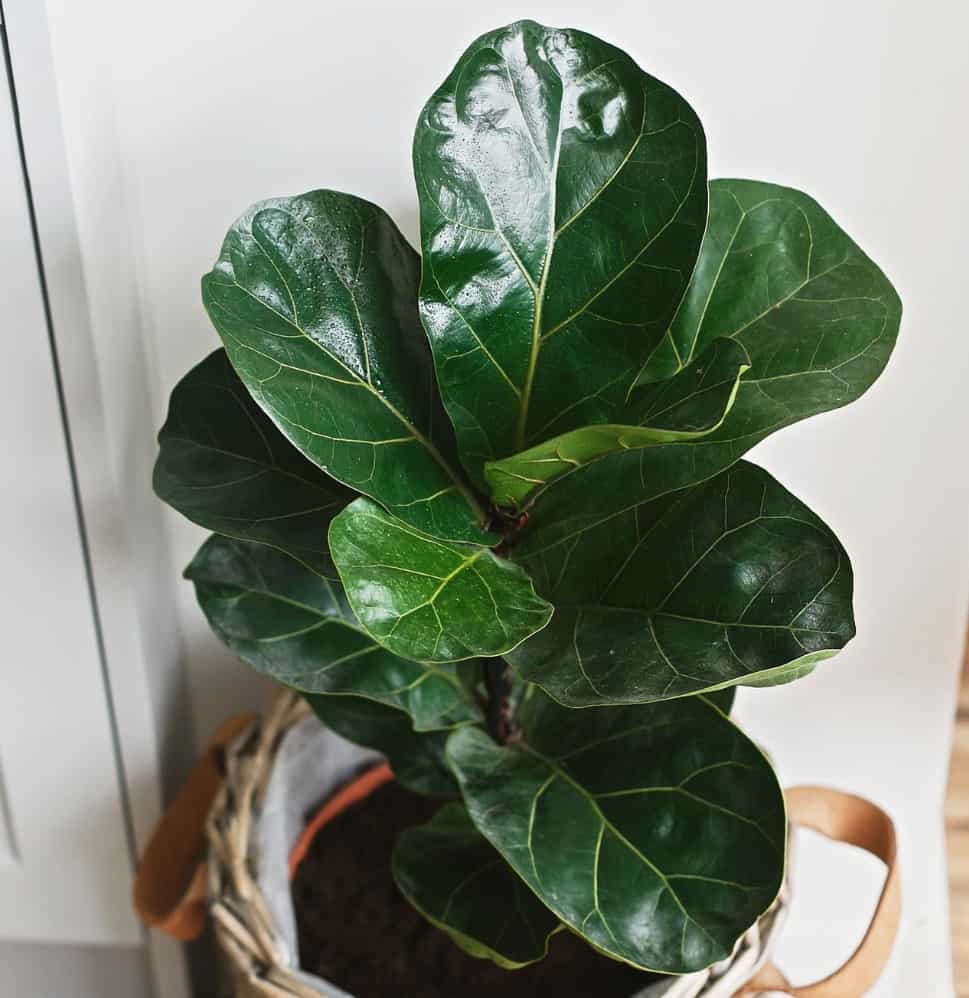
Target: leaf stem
column 497, row 687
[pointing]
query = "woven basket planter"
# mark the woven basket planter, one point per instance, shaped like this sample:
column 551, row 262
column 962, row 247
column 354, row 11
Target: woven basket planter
column 275, row 772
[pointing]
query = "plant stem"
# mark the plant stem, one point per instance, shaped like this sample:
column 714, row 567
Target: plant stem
column 496, row 708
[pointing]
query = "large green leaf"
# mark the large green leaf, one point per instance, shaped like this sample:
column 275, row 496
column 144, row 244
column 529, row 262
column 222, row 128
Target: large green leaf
column 776, row 273
column 416, row 757
column 224, row 465
column 315, row 298
column 690, row 405
column 563, row 199
column 816, row 316
column 294, row 625
column 456, row 879
column 657, row 832
column 428, row 599
column 730, row 581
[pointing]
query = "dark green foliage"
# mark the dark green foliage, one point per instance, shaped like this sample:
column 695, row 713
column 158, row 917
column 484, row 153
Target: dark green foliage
column 454, row 497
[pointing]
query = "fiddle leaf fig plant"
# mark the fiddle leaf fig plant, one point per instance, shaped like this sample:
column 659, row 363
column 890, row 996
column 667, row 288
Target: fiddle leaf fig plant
column 486, row 507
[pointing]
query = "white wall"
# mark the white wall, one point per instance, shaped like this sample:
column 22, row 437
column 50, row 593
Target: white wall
column 861, row 103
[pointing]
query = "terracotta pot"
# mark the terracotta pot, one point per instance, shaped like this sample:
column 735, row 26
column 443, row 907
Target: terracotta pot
column 351, row 793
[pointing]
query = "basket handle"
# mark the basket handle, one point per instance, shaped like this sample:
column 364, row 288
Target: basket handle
column 846, row 818
column 171, row 883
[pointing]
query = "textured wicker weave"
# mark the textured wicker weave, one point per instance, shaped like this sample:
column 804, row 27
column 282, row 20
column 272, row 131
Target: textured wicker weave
column 244, row 928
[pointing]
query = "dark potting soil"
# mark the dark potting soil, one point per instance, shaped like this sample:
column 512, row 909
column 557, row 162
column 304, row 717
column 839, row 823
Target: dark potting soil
column 357, row 931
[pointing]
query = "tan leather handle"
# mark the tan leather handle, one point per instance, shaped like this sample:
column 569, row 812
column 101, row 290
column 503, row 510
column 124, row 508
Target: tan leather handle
column 171, row 884
column 845, row 818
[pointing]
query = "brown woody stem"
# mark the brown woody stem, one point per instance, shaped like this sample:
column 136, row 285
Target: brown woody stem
column 497, row 687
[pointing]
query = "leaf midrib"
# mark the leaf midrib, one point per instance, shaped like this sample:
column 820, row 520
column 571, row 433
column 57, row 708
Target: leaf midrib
column 622, row 433
column 340, row 620
column 430, row 601
column 266, row 466
column 363, row 382
column 693, row 620
column 537, row 337
column 558, row 771
column 539, row 293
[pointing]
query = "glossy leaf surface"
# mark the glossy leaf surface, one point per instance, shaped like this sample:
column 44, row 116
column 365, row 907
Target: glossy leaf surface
column 563, row 199
column 296, row 626
column 816, row 316
column 315, row 300
column 459, row 882
column 776, row 273
column 586, row 345
column 416, row 757
column 656, row 831
column 427, row 599
column 690, row 405
column 224, row 465
column 730, row 581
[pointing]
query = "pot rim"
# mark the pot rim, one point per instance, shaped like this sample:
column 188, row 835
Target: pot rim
column 352, row 792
